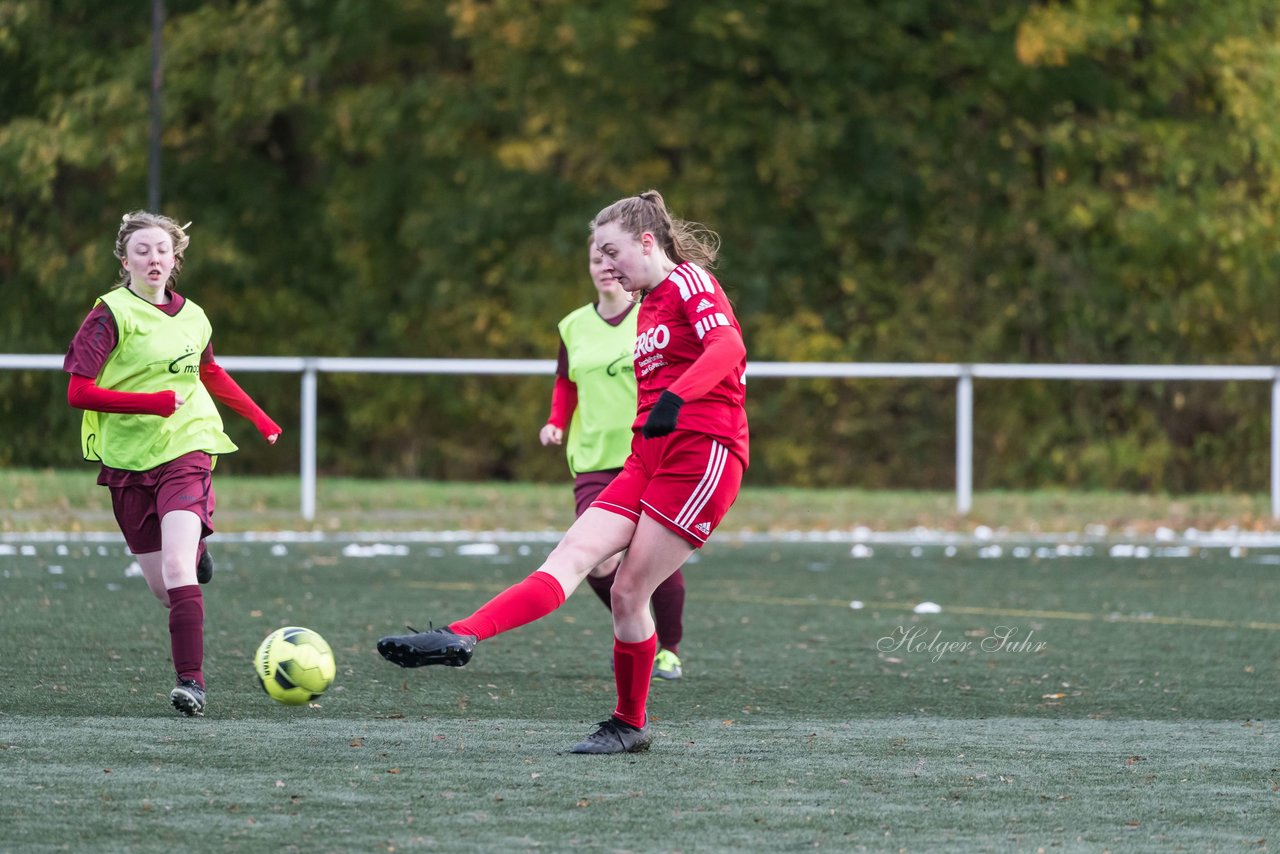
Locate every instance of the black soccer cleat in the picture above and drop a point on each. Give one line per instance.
(188, 698)
(204, 568)
(615, 736)
(435, 646)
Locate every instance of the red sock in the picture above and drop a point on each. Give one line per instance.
(186, 631)
(529, 600)
(632, 671)
(668, 611)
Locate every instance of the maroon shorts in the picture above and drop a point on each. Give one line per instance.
(685, 481)
(589, 484)
(178, 485)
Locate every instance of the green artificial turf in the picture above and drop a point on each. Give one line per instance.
(1130, 706)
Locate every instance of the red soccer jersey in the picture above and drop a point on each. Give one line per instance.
(675, 321)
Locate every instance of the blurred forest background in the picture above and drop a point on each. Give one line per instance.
(1095, 181)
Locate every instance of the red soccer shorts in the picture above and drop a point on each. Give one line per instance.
(685, 481)
(177, 486)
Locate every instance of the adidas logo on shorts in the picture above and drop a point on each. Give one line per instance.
(703, 528)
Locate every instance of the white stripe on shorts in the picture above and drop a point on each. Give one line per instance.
(705, 488)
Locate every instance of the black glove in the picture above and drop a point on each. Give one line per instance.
(662, 418)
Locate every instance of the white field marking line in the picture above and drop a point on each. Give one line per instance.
(918, 537)
(1079, 616)
(822, 536)
(465, 586)
(1022, 613)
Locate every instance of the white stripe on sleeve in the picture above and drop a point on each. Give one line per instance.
(711, 321)
(692, 280)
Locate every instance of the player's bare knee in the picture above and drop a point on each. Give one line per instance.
(627, 600)
(176, 573)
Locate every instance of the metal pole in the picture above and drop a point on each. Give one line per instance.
(157, 71)
(1275, 446)
(309, 441)
(964, 440)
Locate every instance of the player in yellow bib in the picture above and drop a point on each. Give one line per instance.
(142, 369)
(159, 353)
(594, 400)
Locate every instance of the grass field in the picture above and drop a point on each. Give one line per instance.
(1063, 699)
(69, 500)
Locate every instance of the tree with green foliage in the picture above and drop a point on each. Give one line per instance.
(1091, 181)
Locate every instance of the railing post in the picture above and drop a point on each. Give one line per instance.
(309, 440)
(1275, 446)
(964, 440)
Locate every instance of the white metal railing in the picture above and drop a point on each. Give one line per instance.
(964, 375)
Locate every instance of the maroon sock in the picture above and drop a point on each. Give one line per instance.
(529, 600)
(668, 611)
(632, 672)
(603, 586)
(186, 631)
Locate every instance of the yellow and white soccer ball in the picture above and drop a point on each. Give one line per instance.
(294, 665)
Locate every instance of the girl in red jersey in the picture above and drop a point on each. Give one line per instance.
(688, 455)
(594, 402)
(142, 368)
